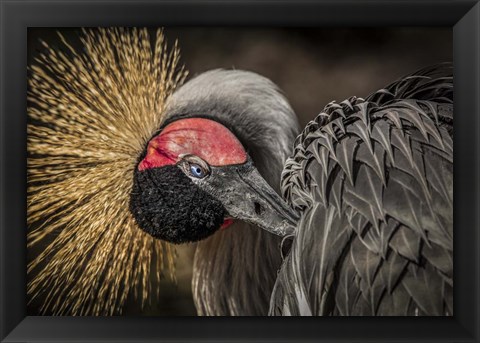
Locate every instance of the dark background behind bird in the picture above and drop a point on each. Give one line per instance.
(312, 67)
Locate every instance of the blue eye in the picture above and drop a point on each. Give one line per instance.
(197, 170)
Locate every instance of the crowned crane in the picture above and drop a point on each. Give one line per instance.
(367, 205)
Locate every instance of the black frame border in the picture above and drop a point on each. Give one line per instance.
(17, 15)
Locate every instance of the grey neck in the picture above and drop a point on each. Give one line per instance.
(235, 269)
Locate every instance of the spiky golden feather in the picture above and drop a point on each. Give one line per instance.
(91, 114)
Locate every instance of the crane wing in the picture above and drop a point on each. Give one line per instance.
(373, 179)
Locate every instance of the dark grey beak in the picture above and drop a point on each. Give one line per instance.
(248, 197)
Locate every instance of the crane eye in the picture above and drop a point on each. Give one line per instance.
(197, 171)
(194, 166)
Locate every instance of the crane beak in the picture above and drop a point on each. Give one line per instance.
(247, 196)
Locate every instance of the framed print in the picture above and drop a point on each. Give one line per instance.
(166, 165)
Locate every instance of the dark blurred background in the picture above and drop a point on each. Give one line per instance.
(312, 66)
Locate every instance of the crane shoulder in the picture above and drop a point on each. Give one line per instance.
(373, 179)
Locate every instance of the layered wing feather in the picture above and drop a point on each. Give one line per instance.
(374, 181)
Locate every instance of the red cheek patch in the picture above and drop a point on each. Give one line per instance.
(204, 138)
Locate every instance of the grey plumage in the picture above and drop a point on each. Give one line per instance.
(374, 181)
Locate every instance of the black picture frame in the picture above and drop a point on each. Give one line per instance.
(17, 15)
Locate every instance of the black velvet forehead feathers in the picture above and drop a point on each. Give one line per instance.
(168, 205)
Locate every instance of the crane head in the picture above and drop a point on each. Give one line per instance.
(195, 177)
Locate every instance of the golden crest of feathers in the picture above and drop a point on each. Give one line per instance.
(91, 114)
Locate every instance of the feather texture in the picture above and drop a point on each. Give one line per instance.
(376, 192)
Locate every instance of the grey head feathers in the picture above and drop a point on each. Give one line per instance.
(250, 105)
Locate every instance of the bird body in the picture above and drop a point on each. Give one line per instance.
(373, 179)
